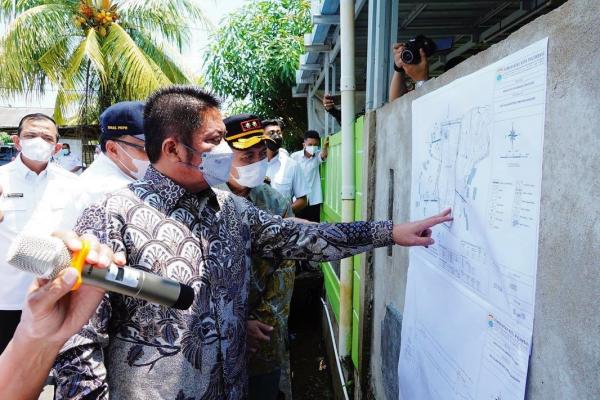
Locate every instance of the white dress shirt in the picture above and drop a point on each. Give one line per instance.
(68, 162)
(31, 203)
(312, 175)
(286, 176)
(103, 176)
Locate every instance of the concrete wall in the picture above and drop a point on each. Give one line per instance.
(565, 363)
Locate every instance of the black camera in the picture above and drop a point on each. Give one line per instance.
(411, 55)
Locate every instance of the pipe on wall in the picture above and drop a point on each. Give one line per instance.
(348, 87)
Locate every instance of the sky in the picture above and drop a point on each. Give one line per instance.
(215, 11)
(192, 55)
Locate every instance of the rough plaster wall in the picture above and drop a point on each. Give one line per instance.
(565, 363)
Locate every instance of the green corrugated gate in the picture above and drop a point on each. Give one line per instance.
(331, 177)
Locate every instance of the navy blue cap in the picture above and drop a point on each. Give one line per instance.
(124, 118)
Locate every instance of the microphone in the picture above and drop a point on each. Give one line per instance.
(45, 257)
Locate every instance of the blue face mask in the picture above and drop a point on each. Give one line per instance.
(65, 152)
(216, 163)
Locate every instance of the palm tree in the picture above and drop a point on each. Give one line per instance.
(96, 52)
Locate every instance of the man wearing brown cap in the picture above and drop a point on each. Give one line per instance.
(272, 280)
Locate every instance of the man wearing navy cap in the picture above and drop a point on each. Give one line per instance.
(123, 158)
(272, 280)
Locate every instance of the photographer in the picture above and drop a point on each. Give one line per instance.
(419, 72)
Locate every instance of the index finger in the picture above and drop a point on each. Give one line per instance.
(444, 216)
(264, 327)
(106, 256)
(93, 255)
(70, 238)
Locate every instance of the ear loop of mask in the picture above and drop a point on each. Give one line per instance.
(141, 168)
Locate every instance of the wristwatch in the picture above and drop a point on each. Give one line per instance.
(397, 68)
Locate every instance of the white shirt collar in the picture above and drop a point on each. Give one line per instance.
(106, 167)
(275, 159)
(24, 171)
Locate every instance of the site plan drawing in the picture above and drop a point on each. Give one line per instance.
(468, 316)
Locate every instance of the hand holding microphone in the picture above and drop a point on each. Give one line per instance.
(53, 313)
(48, 256)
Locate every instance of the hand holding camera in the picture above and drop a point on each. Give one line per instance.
(417, 72)
(329, 101)
(412, 57)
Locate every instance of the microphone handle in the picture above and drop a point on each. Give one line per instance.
(136, 283)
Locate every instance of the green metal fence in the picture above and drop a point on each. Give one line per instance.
(331, 178)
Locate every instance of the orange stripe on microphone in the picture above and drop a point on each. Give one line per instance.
(78, 261)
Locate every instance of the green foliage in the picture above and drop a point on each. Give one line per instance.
(254, 56)
(96, 52)
(5, 138)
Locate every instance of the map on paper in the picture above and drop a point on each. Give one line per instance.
(468, 314)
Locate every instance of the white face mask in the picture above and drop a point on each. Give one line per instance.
(252, 175)
(311, 149)
(140, 165)
(216, 163)
(37, 149)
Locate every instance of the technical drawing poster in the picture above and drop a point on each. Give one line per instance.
(468, 314)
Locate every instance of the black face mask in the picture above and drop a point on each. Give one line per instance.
(274, 145)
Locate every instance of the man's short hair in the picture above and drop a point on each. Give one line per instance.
(68, 145)
(36, 117)
(175, 112)
(312, 135)
(272, 122)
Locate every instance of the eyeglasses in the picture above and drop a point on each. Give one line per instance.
(136, 146)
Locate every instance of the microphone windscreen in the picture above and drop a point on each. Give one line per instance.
(43, 256)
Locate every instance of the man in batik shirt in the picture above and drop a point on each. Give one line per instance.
(173, 224)
(272, 279)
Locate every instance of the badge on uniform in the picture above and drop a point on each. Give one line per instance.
(12, 195)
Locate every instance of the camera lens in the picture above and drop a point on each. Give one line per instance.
(407, 56)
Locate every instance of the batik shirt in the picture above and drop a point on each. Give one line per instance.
(135, 350)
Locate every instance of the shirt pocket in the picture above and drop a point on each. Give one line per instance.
(284, 186)
(15, 213)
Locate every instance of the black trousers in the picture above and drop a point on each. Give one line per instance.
(8, 324)
(265, 386)
(311, 213)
